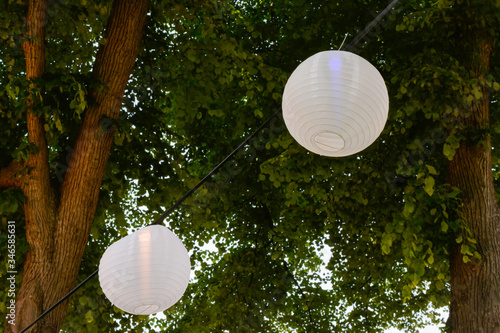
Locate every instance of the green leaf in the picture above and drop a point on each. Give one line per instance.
(191, 55)
(471, 240)
(429, 185)
(408, 208)
(89, 316)
(496, 129)
(406, 292)
(83, 300)
(420, 271)
(444, 226)
(464, 249)
(431, 169)
(59, 125)
(448, 151)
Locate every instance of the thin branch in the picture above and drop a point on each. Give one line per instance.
(289, 272)
(301, 292)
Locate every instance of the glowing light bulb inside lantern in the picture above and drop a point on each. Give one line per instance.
(335, 103)
(145, 252)
(145, 236)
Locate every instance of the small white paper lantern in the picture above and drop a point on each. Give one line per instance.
(335, 103)
(145, 272)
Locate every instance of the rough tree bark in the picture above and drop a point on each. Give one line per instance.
(475, 286)
(57, 228)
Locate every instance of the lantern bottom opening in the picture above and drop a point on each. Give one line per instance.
(147, 309)
(329, 141)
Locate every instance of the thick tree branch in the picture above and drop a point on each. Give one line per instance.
(39, 203)
(113, 65)
(39, 206)
(81, 186)
(12, 175)
(475, 305)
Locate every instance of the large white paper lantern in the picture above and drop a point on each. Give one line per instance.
(145, 272)
(335, 103)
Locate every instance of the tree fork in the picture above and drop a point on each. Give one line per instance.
(58, 235)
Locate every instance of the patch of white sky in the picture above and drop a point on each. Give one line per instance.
(326, 254)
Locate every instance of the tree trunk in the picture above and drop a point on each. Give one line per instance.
(57, 234)
(475, 286)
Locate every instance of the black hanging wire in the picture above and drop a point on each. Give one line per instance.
(369, 27)
(356, 39)
(61, 300)
(214, 170)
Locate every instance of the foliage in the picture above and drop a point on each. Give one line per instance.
(208, 74)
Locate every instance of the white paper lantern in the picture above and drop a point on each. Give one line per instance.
(335, 103)
(145, 272)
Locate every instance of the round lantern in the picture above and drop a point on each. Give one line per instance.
(335, 103)
(145, 272)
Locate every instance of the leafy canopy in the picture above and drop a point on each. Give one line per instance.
(208, 74)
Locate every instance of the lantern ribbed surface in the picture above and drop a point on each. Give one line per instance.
(335, 103)
(145, 272)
